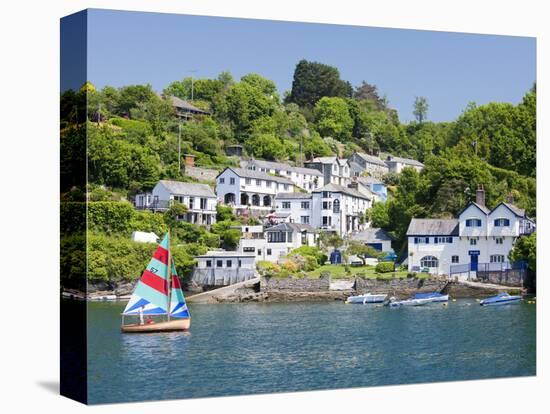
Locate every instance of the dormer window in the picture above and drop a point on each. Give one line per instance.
(502, 222)
(473, 223)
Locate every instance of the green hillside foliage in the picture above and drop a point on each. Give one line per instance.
(133, 135)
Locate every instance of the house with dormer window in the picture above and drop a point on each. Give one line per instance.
(478, 239)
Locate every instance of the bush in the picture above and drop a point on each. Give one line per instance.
(384, 267)
(266, 268)
(311, 252)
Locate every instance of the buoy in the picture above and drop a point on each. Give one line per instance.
(454, 300)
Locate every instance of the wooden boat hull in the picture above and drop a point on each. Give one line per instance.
(168, 326)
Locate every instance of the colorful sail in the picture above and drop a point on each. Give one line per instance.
(178, 307)
(151, 292)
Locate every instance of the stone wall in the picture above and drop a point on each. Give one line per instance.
(204, 174)
(272, 284)
(221, 277)
(512, 277)
(400, 288)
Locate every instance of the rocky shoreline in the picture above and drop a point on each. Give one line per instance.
(291, 289)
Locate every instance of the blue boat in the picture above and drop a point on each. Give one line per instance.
(433, 296)
(500, 299)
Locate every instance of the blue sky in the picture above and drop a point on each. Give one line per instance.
(449, 69)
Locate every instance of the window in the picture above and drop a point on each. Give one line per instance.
(269, 252)
(209, 263)
(228, 263)
(429, 261)
(502, 222)
(222, 180)
(286, 187)
(219, 263)
(239, 263)
(305, 205)
(327, 220)
(336, 208)
(499, 240)
(421, 240)
(248, 181)
(443, 240)
(286, 204)
(304, 219)
(327, 205)
(248, 249)
(203, 203)
(473, 242)
(473, 223)
(454, 259)
(259, 183)
(497, 258)
(232, 181)
(276, 237)
(191, 202)
(259, 252)
(326, 194)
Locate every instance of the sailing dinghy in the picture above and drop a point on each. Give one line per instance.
(158, 293)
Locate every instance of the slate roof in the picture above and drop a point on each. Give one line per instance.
(433, 227)
(324, 160)
(284, 167)
(369, 180)
(335, 188)
(246, 173)
(181, 104)
(484, 209)
(294, 227)
(371, 159)
(191, 189)
(516, 210)
(407, 161)
(372, 235)
(292, 196)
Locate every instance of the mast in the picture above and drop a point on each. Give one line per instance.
(169, 278)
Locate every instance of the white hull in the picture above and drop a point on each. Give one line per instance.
(409, 302)
(501, 302)
(368, 298)
(444, 298)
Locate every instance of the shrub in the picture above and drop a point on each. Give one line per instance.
(266, 268)
(384, 267)
(311, 252)
(290, 266)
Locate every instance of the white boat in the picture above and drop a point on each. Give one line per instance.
(408, 302)
(498, 300)
(366, 298)
(433, 296)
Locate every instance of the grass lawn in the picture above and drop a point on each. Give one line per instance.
(338, 271)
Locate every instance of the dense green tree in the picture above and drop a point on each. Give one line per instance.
(266, 146)
(315, 146)
(525, 249)
(332, 118)
(313, 80)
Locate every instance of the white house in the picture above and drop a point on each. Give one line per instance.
(478, 237)
(361, 163)
(271, 243)
(305, 178)
(335, 170)
(199, 198)
(248, 189)
(221, 267)
(144, 237)
(396, 164)
(331, 208)
(374, 237)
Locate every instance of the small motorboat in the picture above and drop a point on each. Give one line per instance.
(433, 296)
(407, 302)
(366, 298)
(500, 299)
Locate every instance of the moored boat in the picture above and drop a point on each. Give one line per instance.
(500, 299)
(366, 298)
(158, 293)
(407, 302)
(432, 296)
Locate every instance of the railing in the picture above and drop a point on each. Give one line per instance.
(488, 267)
(155, 205)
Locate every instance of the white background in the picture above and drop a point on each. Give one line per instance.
(29, 67)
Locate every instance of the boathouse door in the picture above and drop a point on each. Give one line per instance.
(473, 262)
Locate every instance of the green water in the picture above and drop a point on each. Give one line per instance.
(262, 348)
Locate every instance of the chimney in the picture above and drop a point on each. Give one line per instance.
(189, 160)
(510, 198)
(480, 195)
